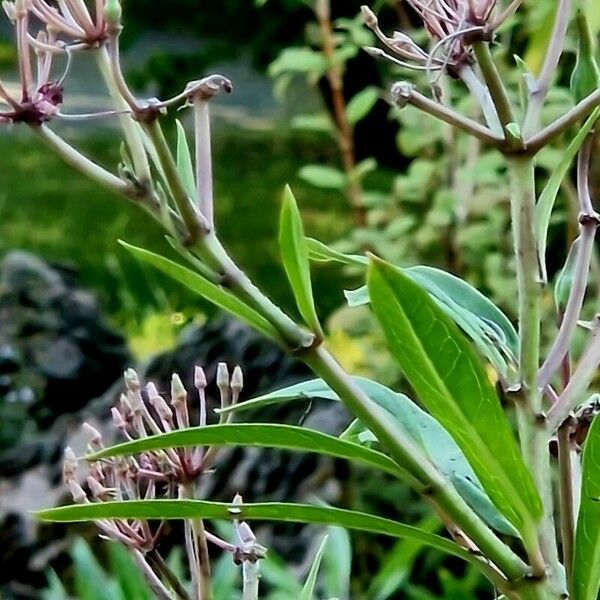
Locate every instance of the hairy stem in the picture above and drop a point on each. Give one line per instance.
(531, 421)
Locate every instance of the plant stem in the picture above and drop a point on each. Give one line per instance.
(82, 163)
(562, 343)
(580, 380)
(482, 95)
(530, 418)
(345, 133)
(567, 513)
(195, 223)
(404, 93)
(442, 495)
(251, 579)
(553, 53)
(199, 560)
(204, 175)
(494, 83)
(130, 128)
(156, 585)
(578, 112)
(159, 564)
(210, 249)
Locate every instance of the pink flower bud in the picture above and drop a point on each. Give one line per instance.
(79, 496)
(69, 465)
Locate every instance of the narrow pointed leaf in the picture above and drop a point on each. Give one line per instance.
(585, 77)
(185, 166)
(586, 563)
(564, 281)
(488, 327)
(295, 259)
(545, 204)
(414, 423)
(205, 288)
(285, 437)
(308, 591)
(449, 380)
(266, 511)
(319, 252)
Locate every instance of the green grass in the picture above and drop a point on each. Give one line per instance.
(47, 208)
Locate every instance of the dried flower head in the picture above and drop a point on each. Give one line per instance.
(452, 25)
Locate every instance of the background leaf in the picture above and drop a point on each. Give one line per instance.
(323, 177)
(449, 380)
(361, 104)
(586, 563)
(308, 591)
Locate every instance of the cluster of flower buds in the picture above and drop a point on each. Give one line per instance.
(452, 26)
(159, 473)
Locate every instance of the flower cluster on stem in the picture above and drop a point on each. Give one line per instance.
(169, 473)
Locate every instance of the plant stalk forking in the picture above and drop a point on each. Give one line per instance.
(551, 59)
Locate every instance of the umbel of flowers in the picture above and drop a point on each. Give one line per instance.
(155, 474)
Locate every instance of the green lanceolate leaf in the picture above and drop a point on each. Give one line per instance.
(319, 252)
(445, 286)
(285, 437)
(295, 259)
(267, 511)
(564, 281)
(484, 323)
(586, 75)
(545, 204)
(414, 423)
(308, 591)
(449, 380)
(205, 288)
(185, 167)
(586, 563)
(488, 327)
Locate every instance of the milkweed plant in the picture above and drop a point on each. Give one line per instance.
(530, 524)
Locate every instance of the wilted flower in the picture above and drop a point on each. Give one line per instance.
(452, 25)
(72, 18)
